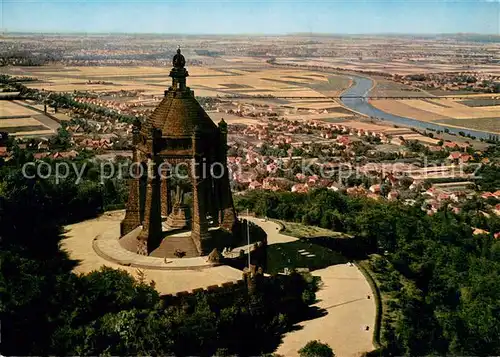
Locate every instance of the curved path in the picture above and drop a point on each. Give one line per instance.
(272, 230)
(344, 297)
(348, 312)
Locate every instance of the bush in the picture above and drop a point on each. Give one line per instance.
(378, 264)
(316, 349)
(308, 297)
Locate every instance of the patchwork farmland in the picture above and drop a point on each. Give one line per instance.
(244, 76)
(236, 78)
(19, 119)
(445, 111)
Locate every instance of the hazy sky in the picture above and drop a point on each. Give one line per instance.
(251, 17)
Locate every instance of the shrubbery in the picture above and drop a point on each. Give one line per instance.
(316, 349)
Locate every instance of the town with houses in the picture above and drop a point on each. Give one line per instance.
(468, 81)
(277, 149)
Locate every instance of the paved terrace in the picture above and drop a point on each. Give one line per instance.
(107, 246)
(79, 244)
(348, 311)
(110, 246)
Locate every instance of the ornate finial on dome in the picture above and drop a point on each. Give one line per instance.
(178, 73)
(179, 61)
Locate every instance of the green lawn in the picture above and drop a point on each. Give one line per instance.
(288, 255)
(335, 82)
(303, 231)
(480, 102)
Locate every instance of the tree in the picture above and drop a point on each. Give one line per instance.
(384, 189)
(406, 182)
(62, 139)
(440, 276)
(316, 349)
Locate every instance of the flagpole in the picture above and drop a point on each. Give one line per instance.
(248, 237)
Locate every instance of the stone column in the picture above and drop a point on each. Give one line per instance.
(165, 187)
(229, 219)
(229, 214)
(132, 212)
(170, 202)
(150, 235)
(228, 211)
(220, 217)
(164, 197)
(199, 223)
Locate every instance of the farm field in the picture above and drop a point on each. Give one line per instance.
(235, 78)
(373, 64)
(230, 118)
(314, 105)
(388, 88)
(444, 111)
(485, 124)
(8, 108)
(241, 76)
(452, 109)
(321, 116)
(478, 102)
(18, 120)
(400, 108)
(421, 138)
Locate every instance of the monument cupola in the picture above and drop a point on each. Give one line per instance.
(179, 134)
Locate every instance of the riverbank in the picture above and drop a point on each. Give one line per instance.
(356, 99)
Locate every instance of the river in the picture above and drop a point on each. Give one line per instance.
(359, 102)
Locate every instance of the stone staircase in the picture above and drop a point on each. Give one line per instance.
(171, 243)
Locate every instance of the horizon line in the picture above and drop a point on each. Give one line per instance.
(310, 34)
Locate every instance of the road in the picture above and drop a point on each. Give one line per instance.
(272, 230)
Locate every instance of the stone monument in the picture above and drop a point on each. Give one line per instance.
(179, 132)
